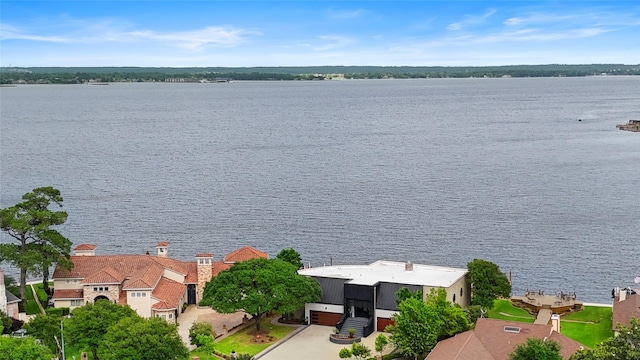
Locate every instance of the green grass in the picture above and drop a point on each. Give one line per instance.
(503, 310)
(31, 307)
(584, 332)
(241, 340)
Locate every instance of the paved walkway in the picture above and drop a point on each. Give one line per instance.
(222, 323)
(311, 343)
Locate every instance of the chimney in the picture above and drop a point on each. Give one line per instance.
(555, 323)
(205, 273)
(408, 267)
(85, 250)
(162, 248)
(622, 295)
(3, 294)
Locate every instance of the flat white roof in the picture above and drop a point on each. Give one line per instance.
(389, 272)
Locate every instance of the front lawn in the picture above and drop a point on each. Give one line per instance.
(589, 326)
(504, 310)
(244, 342)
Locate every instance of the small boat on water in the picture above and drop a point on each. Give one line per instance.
(632, 125)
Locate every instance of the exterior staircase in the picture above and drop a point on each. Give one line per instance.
(354, 323)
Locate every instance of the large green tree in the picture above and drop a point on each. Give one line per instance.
(135, 338)
(624, 346)
(291, 256)
(89, 323)
(46, 328)
(536, 349)
(487, 283)
(415, 328)
(259, 286)
(453, 318)
(37, 244)
(23, 349)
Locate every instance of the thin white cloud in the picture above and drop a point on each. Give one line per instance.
(539, 18)
(347, 14)
(217, 36)
(470, 20)
(197, 39)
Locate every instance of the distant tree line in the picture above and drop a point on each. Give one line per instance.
(79, 75)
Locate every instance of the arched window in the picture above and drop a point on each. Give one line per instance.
(454, 298)
(460, 291)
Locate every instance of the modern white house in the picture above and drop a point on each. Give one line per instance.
(368, 292)
(151, 285)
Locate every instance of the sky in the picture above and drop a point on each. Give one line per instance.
(317, 33)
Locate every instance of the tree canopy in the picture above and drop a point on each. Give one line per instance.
(487, 283)
(259, 286)
(420, 324)
(38, 245)
(624, 346)
(135, 338)
(536, 349)
(46, 328)
(291, 256)
(415, 327)
(23, 349)
(89, 323)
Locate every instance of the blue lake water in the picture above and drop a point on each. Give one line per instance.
(437, 171)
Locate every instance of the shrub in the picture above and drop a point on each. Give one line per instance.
(63, 311)
(199, 331)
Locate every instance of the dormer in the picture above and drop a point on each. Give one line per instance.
(162, 248)
(85, 250)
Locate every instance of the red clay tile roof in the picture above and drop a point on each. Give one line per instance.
(145, 279)
(169, 263)
(204, 255)
(85, 247)
(107, 275)
(162, 244)
(624, 310)
(169, 293)
(68, 294)
(244, 254)
(218, 266)
(489, 341)
(192, 272)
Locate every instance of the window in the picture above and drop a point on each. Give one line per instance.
(76, 302)
(460, 291)
(133, 294)
(170, 316)
(454, 298)
(95, 289)
(144, 294)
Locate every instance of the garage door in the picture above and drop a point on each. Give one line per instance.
(325, 318)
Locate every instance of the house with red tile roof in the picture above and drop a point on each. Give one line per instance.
(151, 285)
(626, 305)
(494, 339)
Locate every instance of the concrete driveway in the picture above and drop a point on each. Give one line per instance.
(312, 343)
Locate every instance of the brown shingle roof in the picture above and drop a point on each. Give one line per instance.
(68, 294)
(624, 310)
(85, 247)
(243, 254)
(490, 341)
(169, 293)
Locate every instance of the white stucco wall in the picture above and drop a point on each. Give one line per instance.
(141, 304)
